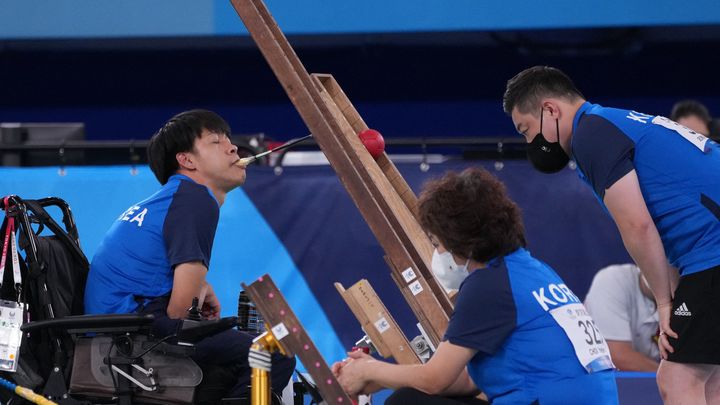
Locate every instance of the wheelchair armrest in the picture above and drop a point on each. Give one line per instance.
(192, 331)
(105, 323)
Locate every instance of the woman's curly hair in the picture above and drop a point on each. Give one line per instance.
(471, 215)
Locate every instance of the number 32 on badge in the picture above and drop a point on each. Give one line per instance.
(590, 347)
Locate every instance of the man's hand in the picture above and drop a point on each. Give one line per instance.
(188, 283)
(211, 305)
(664, 313)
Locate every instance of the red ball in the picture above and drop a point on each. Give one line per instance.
(373, 141)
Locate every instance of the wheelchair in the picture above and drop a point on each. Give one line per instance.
(71, 358)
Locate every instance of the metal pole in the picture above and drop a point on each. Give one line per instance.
(259, 359)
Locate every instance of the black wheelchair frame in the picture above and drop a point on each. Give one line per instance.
(56, 321)
(55, 312)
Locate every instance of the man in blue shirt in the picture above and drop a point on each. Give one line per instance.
(658, 180)
(517, 332)
(156, 255)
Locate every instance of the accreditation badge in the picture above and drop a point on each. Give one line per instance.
(11, 318)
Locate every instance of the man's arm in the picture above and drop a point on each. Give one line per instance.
(627, 359)
(627, 206)
(674, 279)
(188, 283)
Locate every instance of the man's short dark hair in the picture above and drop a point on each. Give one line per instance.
(529, 87)
(687, 108)
(178, 135)
(471, 215)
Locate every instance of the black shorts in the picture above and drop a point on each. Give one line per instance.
(696, 318)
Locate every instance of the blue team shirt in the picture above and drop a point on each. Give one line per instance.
(523, 355)
(140, 251)
(679, 182)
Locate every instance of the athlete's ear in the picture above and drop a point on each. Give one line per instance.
(551, 108)
(185, 160)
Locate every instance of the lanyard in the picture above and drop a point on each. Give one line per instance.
(10, 241)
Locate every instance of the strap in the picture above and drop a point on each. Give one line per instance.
(17, 275)
(10, 241)
(9, 227)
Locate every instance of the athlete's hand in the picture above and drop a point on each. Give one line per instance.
(664, 313)
(211, 305)
(210, 310)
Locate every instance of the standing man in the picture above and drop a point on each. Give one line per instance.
(156, 255)
(659, 182)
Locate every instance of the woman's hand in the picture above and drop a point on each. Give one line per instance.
(352, 373)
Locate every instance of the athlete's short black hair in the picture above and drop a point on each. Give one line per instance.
(528, 87)
(178, 135)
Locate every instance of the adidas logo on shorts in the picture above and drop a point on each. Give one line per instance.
(683, 310)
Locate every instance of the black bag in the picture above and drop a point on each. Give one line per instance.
(176, 376)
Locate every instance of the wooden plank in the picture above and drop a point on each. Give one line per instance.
(322, 130)
(383, 211)
(402, 219)
(358, 125)
(412, 286)
(365, 323)
(293, 338)
(385, 334)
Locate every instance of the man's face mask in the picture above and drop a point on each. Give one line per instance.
(547, 157)
(447, 272)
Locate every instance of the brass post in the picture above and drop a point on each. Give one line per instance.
(260, 381)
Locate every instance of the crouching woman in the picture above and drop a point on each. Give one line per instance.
(517, 333)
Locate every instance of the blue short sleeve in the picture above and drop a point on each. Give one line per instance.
(602, 151)
(485, 313)
(190, 225)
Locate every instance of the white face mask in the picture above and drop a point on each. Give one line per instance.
(447, 272)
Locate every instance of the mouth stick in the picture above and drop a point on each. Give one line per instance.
(247, 160)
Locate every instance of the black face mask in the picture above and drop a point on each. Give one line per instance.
(547, 157)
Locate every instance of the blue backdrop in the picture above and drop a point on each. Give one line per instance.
(303, 229)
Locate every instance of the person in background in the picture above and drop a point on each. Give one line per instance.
(622, 305)
(692, 114)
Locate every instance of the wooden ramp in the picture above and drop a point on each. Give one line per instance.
(383, 197)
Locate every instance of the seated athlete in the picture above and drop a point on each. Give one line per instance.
(156, 255)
